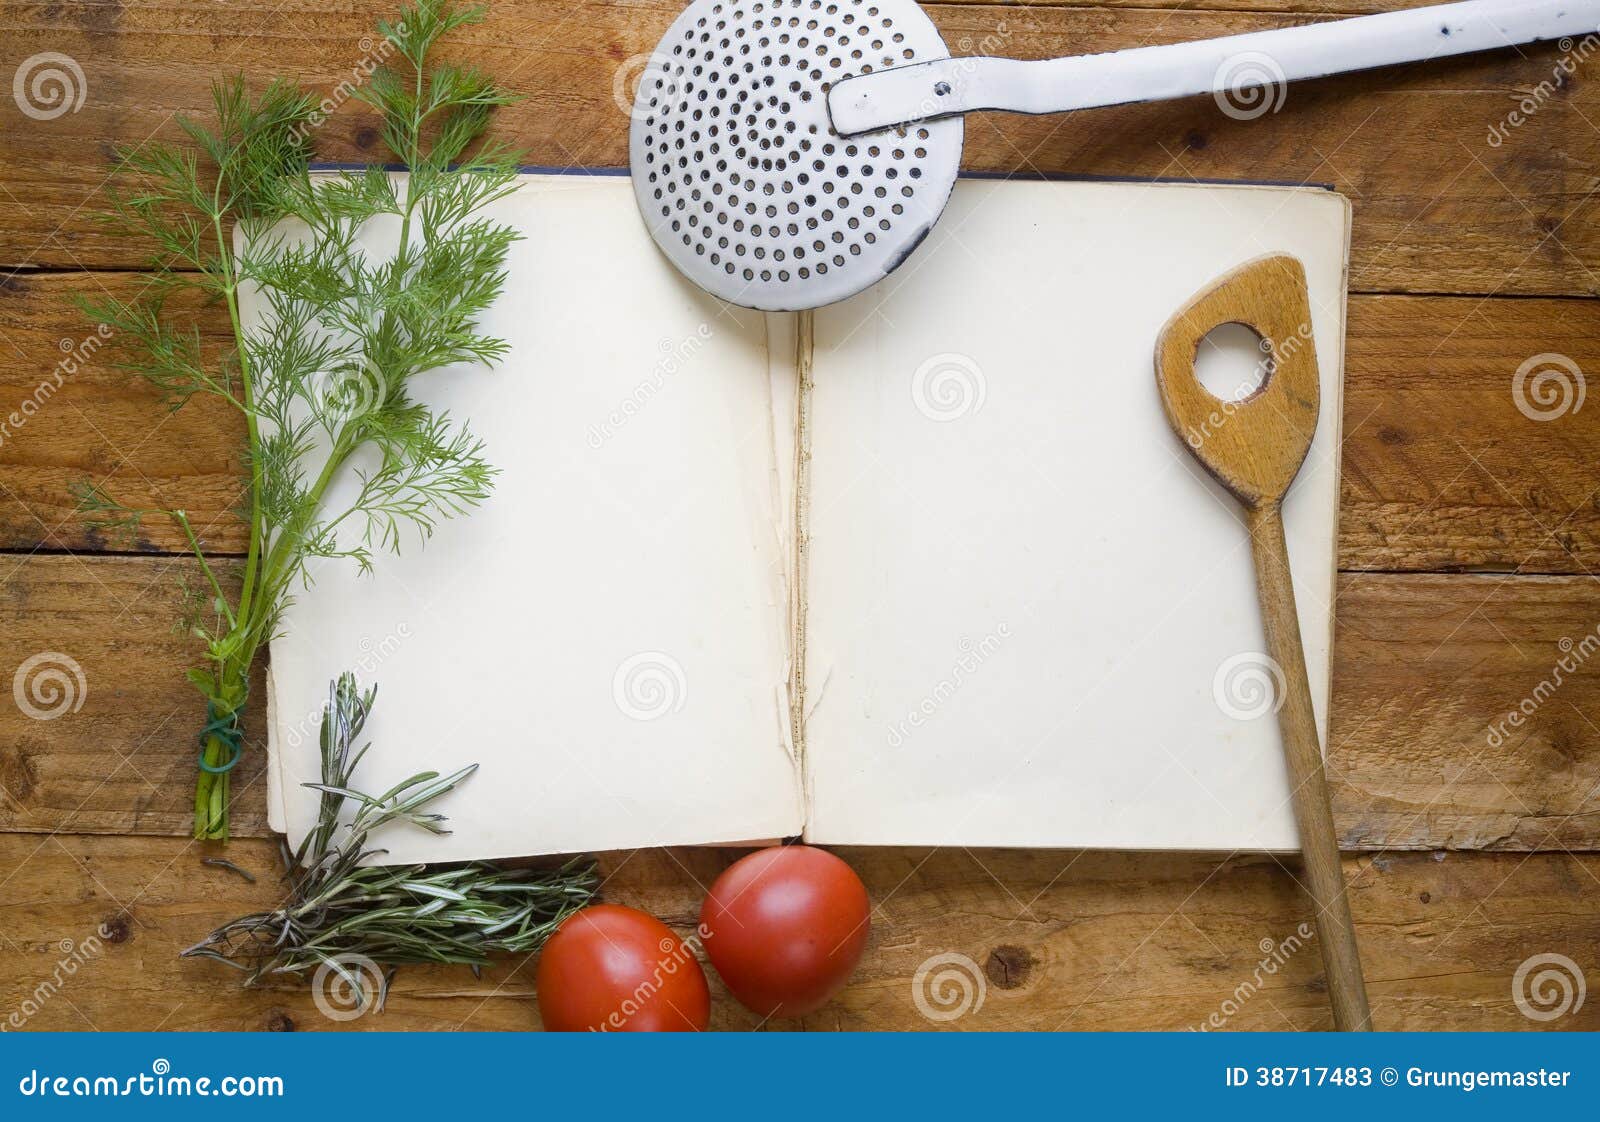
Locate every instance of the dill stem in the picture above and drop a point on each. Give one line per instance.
(232, 675)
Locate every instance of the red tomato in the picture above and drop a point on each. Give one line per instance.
(785, 928)
(614, 969)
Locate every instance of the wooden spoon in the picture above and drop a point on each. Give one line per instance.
(1254, 447)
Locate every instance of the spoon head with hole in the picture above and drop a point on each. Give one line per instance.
(1253, 446)
(739, 175)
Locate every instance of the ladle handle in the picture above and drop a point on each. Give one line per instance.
(1336, 933)
(1258, 61)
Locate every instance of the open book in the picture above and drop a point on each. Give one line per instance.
(924, 567)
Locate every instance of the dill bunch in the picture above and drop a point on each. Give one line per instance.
(343, 917)
(325, 373)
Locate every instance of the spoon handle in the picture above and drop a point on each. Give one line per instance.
(1308, 785)
(1251, 67)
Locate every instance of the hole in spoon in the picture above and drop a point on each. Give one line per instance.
(1233, 362)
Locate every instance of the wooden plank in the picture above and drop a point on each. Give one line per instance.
(1039, 940)
(1423, 748)
(1438, 207)
(1449, 460)
(1424, 667)
(115, 752)
(67, 416)
(1441, 468)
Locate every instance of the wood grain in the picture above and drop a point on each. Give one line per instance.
(1438, 208)
(1423, 667)
(68, 415)
(1441, 470)
(120, 757)
(1427, 670)
(1047, 940)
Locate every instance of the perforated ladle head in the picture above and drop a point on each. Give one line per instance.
(789, 153)
(741, 178)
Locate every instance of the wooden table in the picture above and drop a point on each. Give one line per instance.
(1470, 532)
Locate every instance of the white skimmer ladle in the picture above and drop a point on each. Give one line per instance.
(790, 153)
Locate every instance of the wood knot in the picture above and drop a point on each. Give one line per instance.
(1425, 897)
(1008, 966)
(116, 928)
(279, 1021)
(1392, 436)
(1196, 140)
(366, 138)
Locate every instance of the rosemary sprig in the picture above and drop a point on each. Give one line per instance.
(339, 906)
(325, 375)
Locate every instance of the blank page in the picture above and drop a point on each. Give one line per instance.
(1032, 616)
(607, 636)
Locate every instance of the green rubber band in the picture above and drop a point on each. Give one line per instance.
(226, 729)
